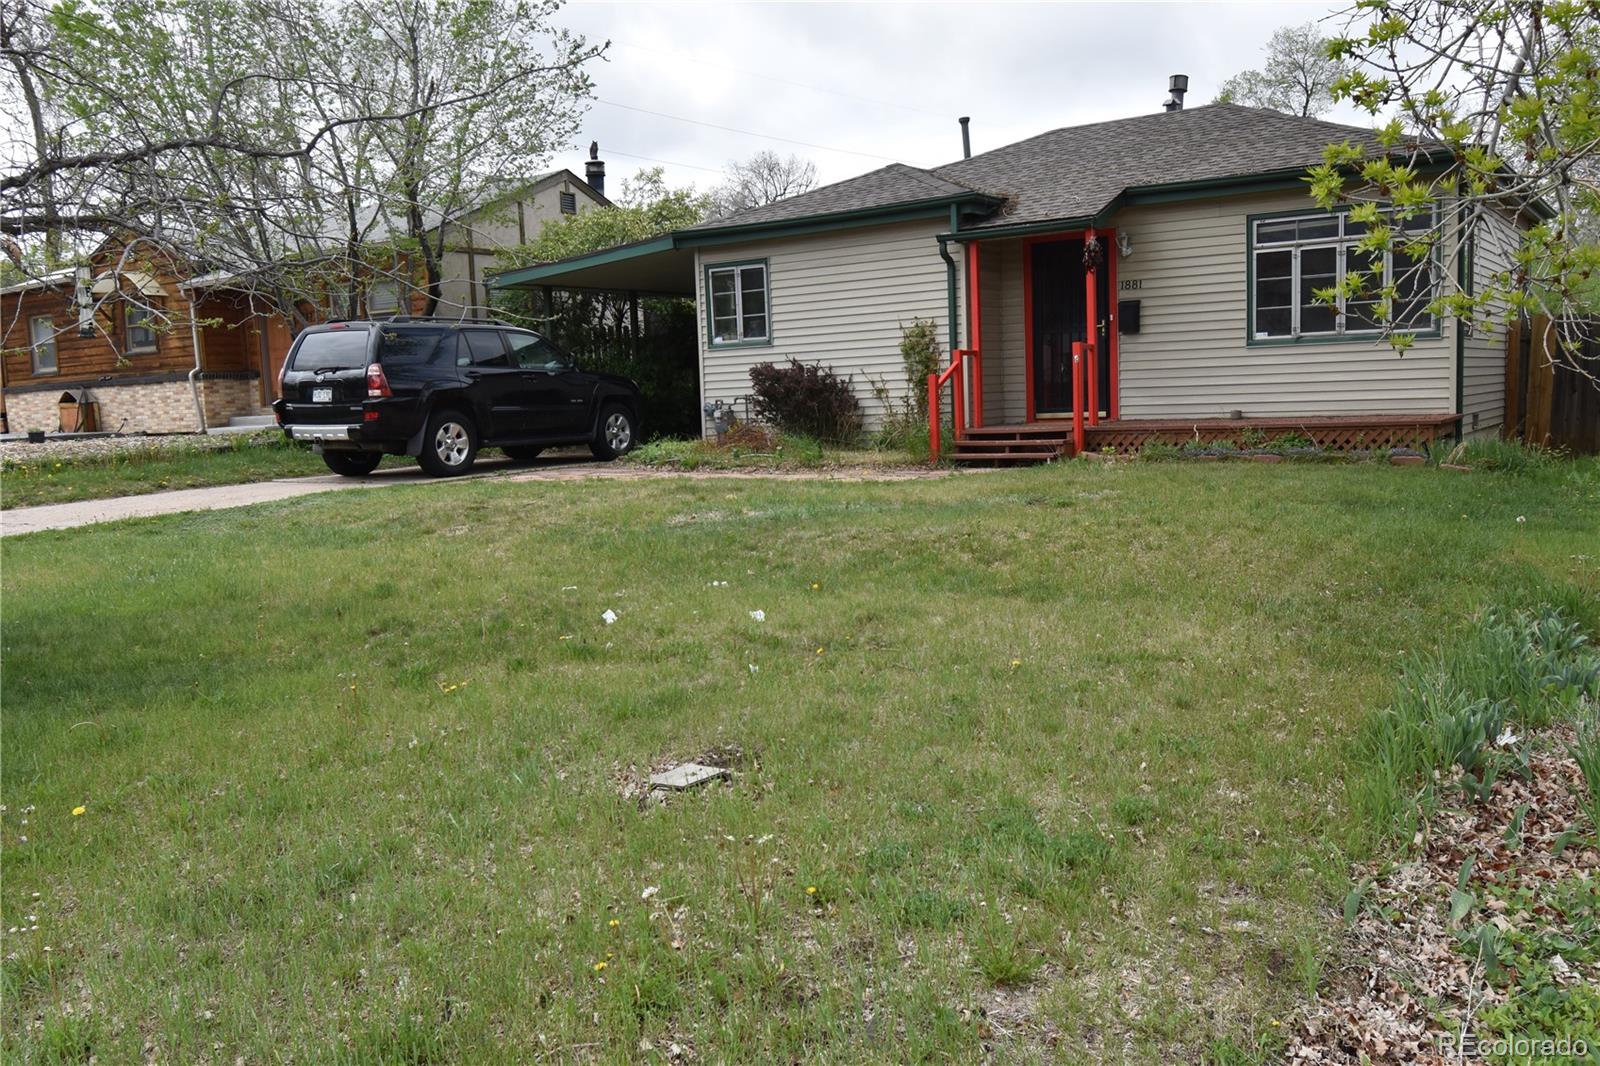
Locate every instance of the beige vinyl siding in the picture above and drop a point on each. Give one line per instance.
(1191, 359)
(837, 299)
(1005, 382)
(1483, 350)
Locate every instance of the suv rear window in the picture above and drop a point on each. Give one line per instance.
(341, 349)
(411, 346)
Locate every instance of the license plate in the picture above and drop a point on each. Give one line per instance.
(321, 395)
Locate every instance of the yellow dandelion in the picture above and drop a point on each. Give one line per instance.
(599, 966)
(1015, 663)
(811, 890)
(78, 812)
(816, 584)
(613, 923)
(611, 954)
(819, 651)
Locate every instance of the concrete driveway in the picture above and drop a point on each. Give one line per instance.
(557, 468)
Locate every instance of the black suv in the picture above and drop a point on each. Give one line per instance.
(441, 390)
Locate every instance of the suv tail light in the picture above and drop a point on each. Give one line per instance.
(377, 383)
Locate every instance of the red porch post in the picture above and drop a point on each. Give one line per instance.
(1077, 397)
(1091, 275)
(975, 330)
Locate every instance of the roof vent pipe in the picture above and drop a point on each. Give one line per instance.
(594, 171)
(966, 137)
(1178, 84)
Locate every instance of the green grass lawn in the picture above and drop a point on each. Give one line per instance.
(192, 463)
(1049, 762)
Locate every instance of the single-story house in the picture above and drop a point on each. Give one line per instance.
(172, 349)
(1176, 251)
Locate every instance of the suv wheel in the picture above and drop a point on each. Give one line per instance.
(521, 453)
(617, 433)
(449, 444)
(352, 464)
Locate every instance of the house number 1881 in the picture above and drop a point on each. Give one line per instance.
(1130, 284)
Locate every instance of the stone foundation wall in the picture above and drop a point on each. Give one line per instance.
(146, 407)
(231, 399)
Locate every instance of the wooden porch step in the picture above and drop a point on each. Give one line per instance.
(1033, 431)
(1005, 445)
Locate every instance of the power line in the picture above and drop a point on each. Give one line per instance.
(653, 159)
(746, 133)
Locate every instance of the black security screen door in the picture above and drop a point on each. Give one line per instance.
(1058, 320)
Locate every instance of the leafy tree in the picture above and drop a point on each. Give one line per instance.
(764, 178)
(294, 146)
(646, 208)
(663, 355)
(1297, 79)
(1491, 116)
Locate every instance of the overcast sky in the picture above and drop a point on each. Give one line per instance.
(877, 83)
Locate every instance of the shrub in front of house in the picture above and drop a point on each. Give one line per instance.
(806, 399)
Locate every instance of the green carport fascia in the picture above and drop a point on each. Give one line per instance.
(711, 236)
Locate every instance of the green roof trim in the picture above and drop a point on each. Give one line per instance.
(533, 275)
(871, 216)
(709, 237)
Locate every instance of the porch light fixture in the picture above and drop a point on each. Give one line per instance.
(1124, 243)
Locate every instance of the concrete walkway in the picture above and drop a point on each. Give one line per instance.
(221, 497)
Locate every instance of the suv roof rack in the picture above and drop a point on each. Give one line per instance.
(451, 320)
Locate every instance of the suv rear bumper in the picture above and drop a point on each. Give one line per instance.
(324, 433)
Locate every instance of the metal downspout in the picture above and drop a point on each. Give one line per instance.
(950, 278)
(194, 383)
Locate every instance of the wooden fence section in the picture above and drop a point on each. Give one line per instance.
(1548, 401)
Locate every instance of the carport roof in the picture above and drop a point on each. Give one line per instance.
(659, 266)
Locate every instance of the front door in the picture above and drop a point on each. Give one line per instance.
(1059, 319)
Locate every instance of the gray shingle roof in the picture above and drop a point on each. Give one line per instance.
(886, 187)
(1077, 171)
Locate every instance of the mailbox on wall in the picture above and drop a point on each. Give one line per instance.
(1127, 316)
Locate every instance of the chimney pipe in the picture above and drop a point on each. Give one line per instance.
(966, 137)
(594, 171)
(1178, 84)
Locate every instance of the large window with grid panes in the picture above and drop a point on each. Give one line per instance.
(738, 304)
(1293, 257)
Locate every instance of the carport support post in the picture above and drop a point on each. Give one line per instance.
(633, 321)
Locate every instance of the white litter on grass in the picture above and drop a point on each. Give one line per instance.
(650, 891)
(686, 775)
(754, 668)
(759, 616)
(609, 617)
(569, 588)
(719, 584)
(1506, 738)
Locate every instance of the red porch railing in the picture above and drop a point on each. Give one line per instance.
(956, 373)
(954, 376)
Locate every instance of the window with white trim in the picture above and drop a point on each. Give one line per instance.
(1294, 257)
(42, 337)
(138, 328)
(738, 303)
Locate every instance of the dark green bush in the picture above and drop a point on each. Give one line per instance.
(807, 400)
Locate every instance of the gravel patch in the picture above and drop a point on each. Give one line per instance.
(90, 448)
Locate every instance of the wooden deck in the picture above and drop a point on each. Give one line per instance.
(1049, 439)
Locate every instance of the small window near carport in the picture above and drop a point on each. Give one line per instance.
(738, 304)
(569, 203)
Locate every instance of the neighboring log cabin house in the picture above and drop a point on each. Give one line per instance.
(170, 350)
